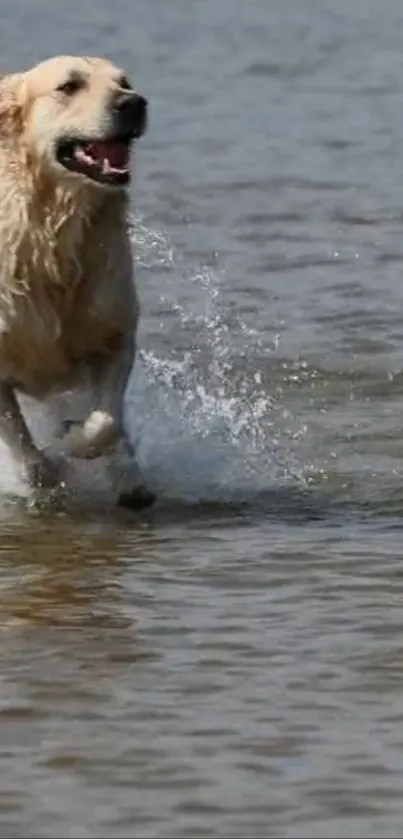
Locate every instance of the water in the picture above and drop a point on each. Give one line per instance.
(230, 663)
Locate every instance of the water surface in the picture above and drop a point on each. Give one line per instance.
(230, 663)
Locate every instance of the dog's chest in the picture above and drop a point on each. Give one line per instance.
(45, 335)
(61, 305)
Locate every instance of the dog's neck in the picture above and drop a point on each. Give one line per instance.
(43, 226)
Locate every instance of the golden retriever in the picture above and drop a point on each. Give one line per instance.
(68, 302)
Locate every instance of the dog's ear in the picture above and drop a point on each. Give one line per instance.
(11, 103)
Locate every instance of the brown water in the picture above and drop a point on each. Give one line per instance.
(231, 663)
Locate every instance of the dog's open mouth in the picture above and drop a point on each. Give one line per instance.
(104, 161)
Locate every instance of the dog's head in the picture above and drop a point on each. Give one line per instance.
(76, 117)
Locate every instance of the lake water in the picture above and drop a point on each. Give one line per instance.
(230, 664)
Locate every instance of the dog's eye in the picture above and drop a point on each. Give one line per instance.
(124, 83)
(71, 86)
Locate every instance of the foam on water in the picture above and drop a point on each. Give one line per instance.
(205, 428)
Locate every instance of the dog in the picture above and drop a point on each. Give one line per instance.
(68, 302)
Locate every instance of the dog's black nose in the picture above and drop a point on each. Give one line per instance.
(132, 112)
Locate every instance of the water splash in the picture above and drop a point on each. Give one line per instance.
(206, 427)
(209, 430)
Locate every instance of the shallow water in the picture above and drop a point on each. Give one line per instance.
(230, 663)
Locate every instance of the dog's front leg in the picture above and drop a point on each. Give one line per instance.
(104, 428)
(15, 433)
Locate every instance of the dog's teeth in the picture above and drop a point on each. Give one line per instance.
(106, 168)
(85, 158)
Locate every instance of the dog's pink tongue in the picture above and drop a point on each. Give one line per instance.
(116, 154)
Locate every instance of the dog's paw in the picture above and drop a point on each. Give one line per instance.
(131, 488)
(137, 499)
(92, 438)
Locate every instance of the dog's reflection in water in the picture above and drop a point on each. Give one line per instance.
(63, 596)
